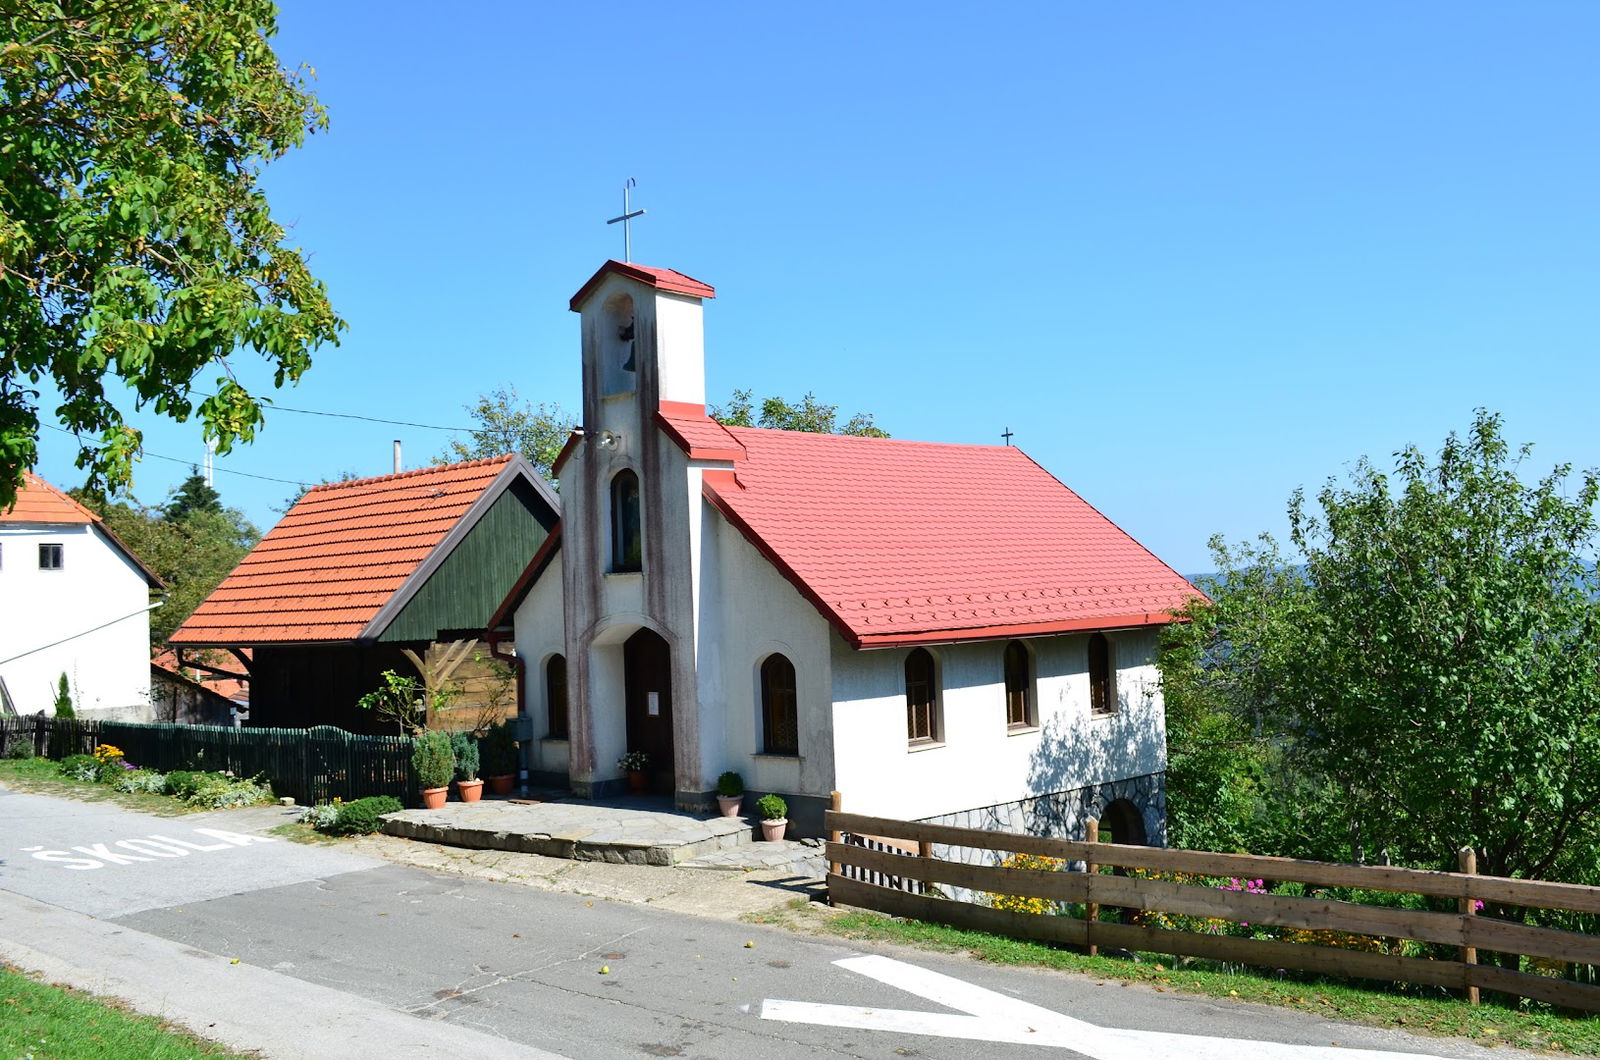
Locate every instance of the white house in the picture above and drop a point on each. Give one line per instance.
(74, 601)
(936, 631)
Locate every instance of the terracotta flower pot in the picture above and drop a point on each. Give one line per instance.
(433, 798)
(638, 781)
(772, 831)
(729, 804)
(469, 790)
(502, 784)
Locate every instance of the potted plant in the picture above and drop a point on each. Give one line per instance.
(468, 786)
(730, 793)
(435, 762)
(499, 748)
(634, 763)
(774, 816)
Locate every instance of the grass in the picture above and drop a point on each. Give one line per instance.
(38, 1020)
(1435, 1013)
(42, 777)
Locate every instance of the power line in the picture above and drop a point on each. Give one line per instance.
(194, 463)
(370, 419)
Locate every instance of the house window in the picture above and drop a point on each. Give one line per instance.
(555, 696)
(1102, 686)
(922, 698)
(1019, 687)
(627, 538)
(49, 557)
(779, 714)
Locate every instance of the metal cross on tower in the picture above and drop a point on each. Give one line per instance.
(627, 235)
(1007, 435)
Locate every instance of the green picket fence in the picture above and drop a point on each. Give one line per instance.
(311, 765)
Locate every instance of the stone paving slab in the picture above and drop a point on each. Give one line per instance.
(579, 831)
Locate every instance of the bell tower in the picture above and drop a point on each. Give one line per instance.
(630, 506)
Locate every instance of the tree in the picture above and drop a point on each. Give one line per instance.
(1430, 673)
(509, 423)
(192, 553)
(195, 495)
(63, 703)
(808, 414)
(135, 241)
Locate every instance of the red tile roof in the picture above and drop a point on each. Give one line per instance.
(897, 542)
(662, 279)
(338, 556)
(41, 503)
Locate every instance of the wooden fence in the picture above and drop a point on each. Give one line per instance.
(856, 873)
(311, 765)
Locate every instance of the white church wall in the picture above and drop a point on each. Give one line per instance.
(108, 669)
(749, 611)
(979, 761)
(540, 634)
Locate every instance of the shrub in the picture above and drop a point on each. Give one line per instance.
(147, 781)
(361, 816)
(81, 767)
(772, 808)
(499, 749)
(214, 791)
(433, 759)
(181, 783)
(63, 703)
(323, 816)
(730, 784)
(465, 747)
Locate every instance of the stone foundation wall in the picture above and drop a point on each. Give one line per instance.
(1062, 813)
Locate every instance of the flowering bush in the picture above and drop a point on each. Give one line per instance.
(1021, 903)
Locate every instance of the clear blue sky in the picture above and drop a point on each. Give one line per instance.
(1194, 256)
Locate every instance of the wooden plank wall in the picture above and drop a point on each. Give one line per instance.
(879, 875)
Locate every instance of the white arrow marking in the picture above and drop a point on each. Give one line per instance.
(993, 1017)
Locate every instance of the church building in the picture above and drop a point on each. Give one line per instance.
(939, 632)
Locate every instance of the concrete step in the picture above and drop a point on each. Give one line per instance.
(579, 831)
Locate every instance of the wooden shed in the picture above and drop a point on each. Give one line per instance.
(357, 572)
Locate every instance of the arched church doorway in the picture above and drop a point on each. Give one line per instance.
(647, 696)
(1121, 822)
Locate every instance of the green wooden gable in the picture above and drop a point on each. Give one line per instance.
(472, 581)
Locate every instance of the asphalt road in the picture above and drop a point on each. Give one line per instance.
(582, 977)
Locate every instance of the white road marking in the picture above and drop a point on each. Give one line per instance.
(994, 1017)
(146, 848)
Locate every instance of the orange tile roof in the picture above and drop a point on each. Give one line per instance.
(338, 556)
(228, 687)
(40, 502)
(897, 542)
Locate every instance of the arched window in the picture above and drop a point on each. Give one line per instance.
(627, 538)
(922, 698)
(779, 721)
(1019, 686)
(1102, 686)
(555, 696)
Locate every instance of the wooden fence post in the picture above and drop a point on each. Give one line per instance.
(1091, 908)
(1467, 860)
(835, 803)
